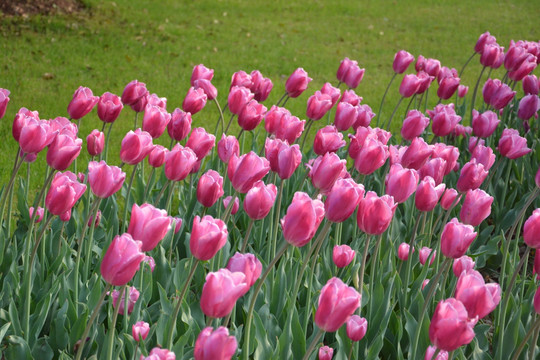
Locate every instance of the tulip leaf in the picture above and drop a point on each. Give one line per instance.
(14, 318)
(17, 348)
(263, 349)
(299, 343)
(42, 350)
(511, 335)
(3, 330)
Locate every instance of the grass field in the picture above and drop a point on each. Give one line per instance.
(45, 59)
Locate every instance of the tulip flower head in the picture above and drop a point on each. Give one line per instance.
(450, 325)
(122, 260)
(221, 291)
(215, 344)
(337, 303)
(302, 219)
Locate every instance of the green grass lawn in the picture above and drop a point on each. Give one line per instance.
(159, 42)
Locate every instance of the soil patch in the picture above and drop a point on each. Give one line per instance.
(25, 8)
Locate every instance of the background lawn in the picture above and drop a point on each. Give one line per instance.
(45, 59)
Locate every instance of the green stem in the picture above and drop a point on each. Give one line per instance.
(249, 317)
(534, 342)
(135, 122)
(169, 198)
(88, 250)
(220, 115)
(409, 259)
(534, 328)
(350, 351)
(91, 321)
(110, 342)
(466, 63)
(475, 91)
(306, 131)
(379, 113)
(363, 267)
(393, 113)
(248, 231)
(314, 343)
(281, 98)
(126, 205)
(194, 263)
(228, 210)
(156, 202)
(149, 184)
(229, 123)
(7, 190)
(373, 269)
(276, 221)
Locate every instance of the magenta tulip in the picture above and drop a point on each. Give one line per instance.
(251, 115)
(247, 264)
(302, 219)
(497, 94)
(337, 303)
(180, 125)
(328, 139)
(342, 255)
(39, 213)
(326, 353)
(471, 176)
(209, 188)
(401, 182)
(239, 96)
(201, 142)
(450, 326)
(492, 56)
(430, 66)
(424, 253)
(194, 101)
(82, 103)
(484, 124)
(208, 235)
(221, 291)
(63, 150)
(416, 154)
(246, 170)
(227, 147)
(345, 117)
(259, 200)
(207, 87)
(409, 85)
(476, 207)
(122, 260)
(34, 135)
(402, 60)
(430, 352)
(350, 73)
(462, 91)
(156, 158)
(433, 168)
(371, 155)
(462, 264)
(290, 129)
(343, 199)
(63, 193)
(449, 198)
(403, 251)
(104, 180)
(427, 194)
(444, 119)
(235, 206)
(215, 344)
(484, 155)
(297, 83)
(136, 145)
(4, 100)
(120, 301)
(260, 86)
(179, 162)
(375, 213)
(148, 225)
(333, 92)
(318, 105)
(414, 125)
(479, 298)
(531, 229)
(448, 153)
(140, 330)
(528, 107)
(283, 159)
(155, 120)
(134, 95)
(356, 327)
(511, 145)
(109, 107)
(484, 39)
(456, 238)
(530, 83)
(448, 87)
(326, 170)
(274, 118)
(95, 142)
(201, 72)
(159, 354)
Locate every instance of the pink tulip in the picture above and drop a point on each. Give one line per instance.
(448, 153)
(120, 301)
(122, 260)
(194, 101)
(95, 142)
(180, 125)
(227, 147)
(484, 124)
(356, 328)
(343, 199)
(274, 117)
(155, 100)
(176, 222)
(283, 159)
(350, 97)
(536, 264)
(326, 170)
(497, 94)
(371, 156)
(448, 87)
(403, 251)
(215, 344)
(531, 85)
(524, 69)
(236, 205)
(136, 145)
(62, 125)
(462, 91)
(140, 330)
(201, 142)
(109, 107)
(82, 103)
(515, 56)
(23, 117)
(4, 100)
(96, 221)
(462, 264)
(208, 235)
(425, 81)
(179, 162)
(159, 354)
(63, 150)
(156, 158)
(337, 303)
(260, 86)
(221, 291)
(318, 105)
(134, 95)
(484, 155)
(431, 350)
(34, 135)
(251, 115)
(431, 66)
(63, 193)
(433, 168)
(511, 145)
(302, 219)
(342, 255)
(201, 72)
(375, 213)
(471, 177)
(104, 180)
(476, 207)
(402, 60)
(39, 213)
(424, 254)
(328, 139)
(259, 200)
(239, 96)
(297, 83)
(401, 182)
(247, 264)
(444, 119)
(148, 260)
(155, 120)
(424, 283)
(492, 56)
(364, 116)
(478, 297)
(456, 238)
(331, 91)
(416, 154)
(246, 170)
(449, 198)
(345, 117)
(148, 225)
(484, 39)
(207, 87)
(326, 353)
(528, 107)
(414, 125)
(209, 188)
(427, 194)
(66, 216)
(409, 85)
(290, 129)
(450, 326)
(531, 230)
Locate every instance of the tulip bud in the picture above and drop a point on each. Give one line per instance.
(427, 194)
(326, 353)
(134, 95)
(536, 301)
(39, 213)
(109, 107)
(342, 255)
(150, 262)
(476, 207)
(227, 147)
(337, 303)
(424, 283)
(356, 327)
(302, 219)
(462, 91)
(63, 193)
(194, 101)
(95, 142)
(424, 254)
(148, 225)
(215, 344)
(259, 200)
(96, 221)
(449, 198)
(156, 158)
(213, 302)
(530, 85)
(528, 107)
(297, 83)
(462, 264)
(180, 125)
(140, 330)
(260, 86)
(402, 60)
(403, 251)
(122, 260)
(82, 103)
(208, 235)
(511, 145)
(120, 301)
(201, 72)
(484, 39)
(456, 238)
(375, 213)
(209, 188)
(236, 205)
